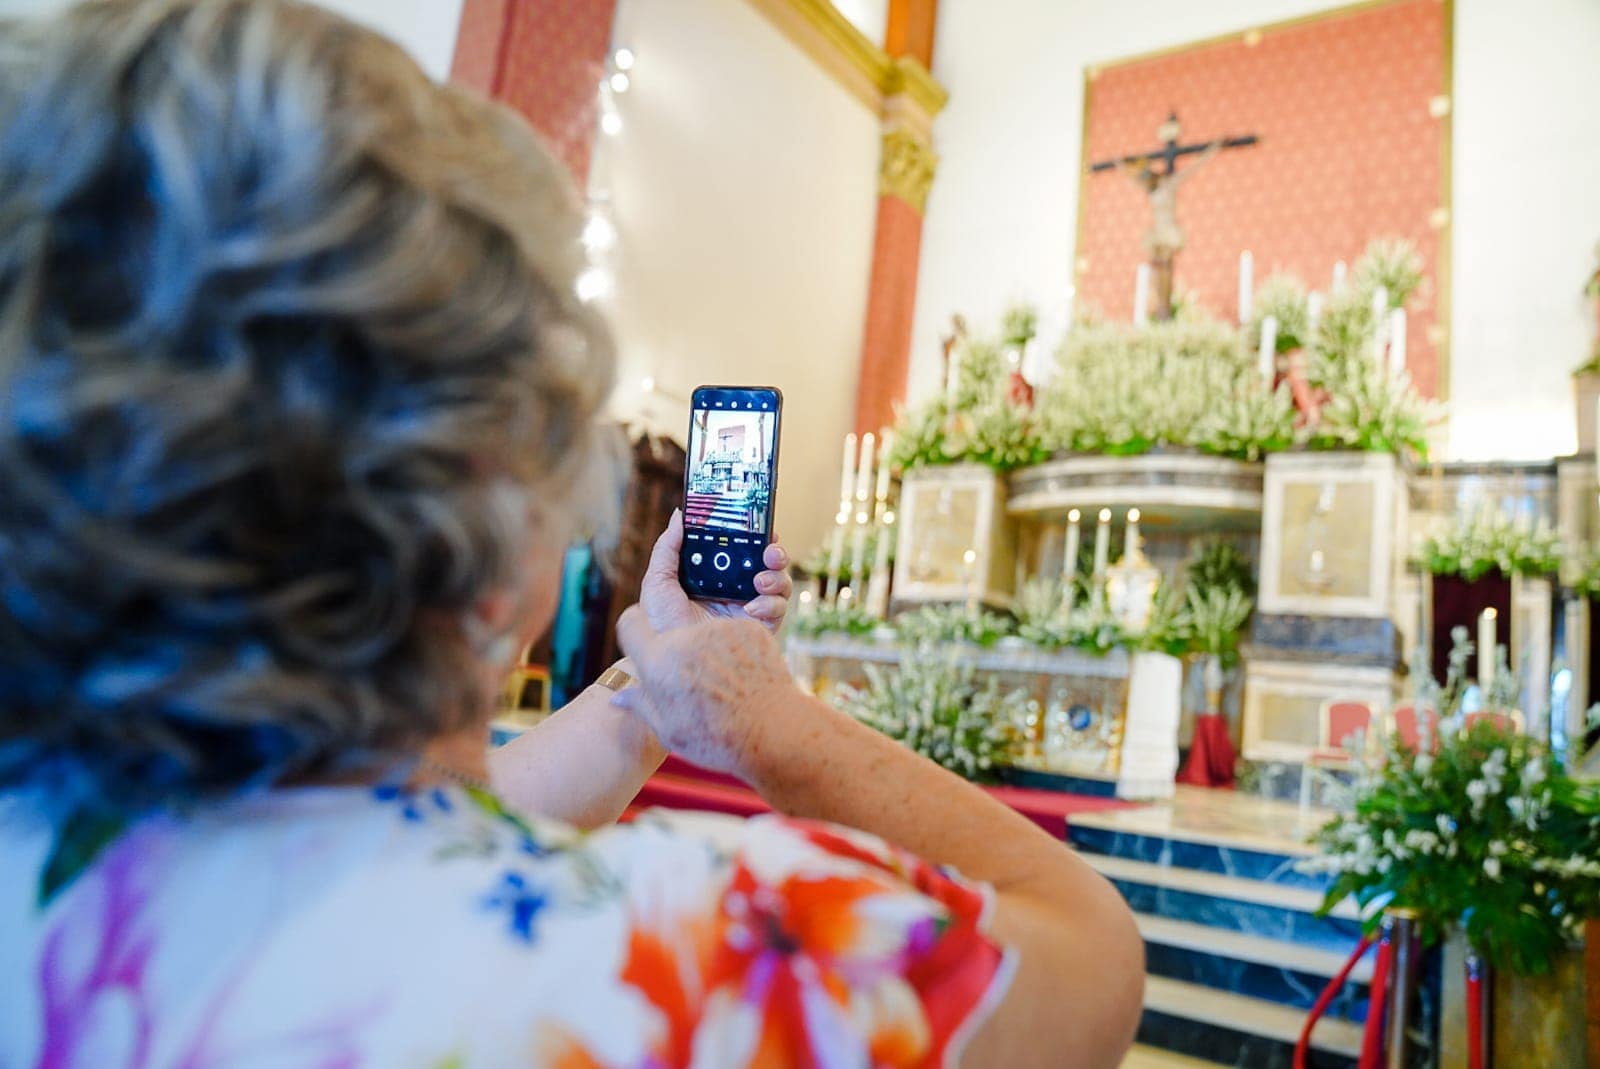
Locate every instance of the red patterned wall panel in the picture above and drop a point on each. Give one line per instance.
(1350, 150)
(543, 57)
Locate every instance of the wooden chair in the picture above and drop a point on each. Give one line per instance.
(1506, 719)
(1407, 722)
(1339, 723)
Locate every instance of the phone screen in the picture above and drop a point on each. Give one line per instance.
(729, 483)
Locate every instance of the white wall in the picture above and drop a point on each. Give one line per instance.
(743, 186)
(425, 28)
(1001, 217)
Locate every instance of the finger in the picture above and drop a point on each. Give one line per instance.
(775, 557)
(637, 638)
(768, 608)
(774, 583)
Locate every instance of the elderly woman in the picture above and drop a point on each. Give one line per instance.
(297, 413)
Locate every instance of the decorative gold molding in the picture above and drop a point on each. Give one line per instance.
(862, 68)
(907, 166)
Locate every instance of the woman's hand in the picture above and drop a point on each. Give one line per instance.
(663, 600)
(707, 689)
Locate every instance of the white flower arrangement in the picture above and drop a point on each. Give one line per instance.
(1489, 538)
(938, 710)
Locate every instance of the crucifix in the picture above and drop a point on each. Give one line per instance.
(1164, 238)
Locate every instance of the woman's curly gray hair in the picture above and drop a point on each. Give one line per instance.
(292, 374)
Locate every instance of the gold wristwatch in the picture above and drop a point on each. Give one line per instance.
(614, 678)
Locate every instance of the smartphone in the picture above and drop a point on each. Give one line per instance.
(729, 489)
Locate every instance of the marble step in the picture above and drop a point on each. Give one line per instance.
(1252, 907)
(1286, 973)
(1096, 833)
(1237, 1029)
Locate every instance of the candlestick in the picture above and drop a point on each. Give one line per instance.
(1486, 648)
(1102, 545)
(1313, 317)
(847, 471)
(1397, 342)
(1069, 558)
(1247, 270)
(836, 555)
(864, 477)
(1141, 295)
(970, 560)
(1338, 275)
(858, 562)
(1268, 357)
(878, 588)
(880, 496)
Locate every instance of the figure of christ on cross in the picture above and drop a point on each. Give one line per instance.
(1165, 238)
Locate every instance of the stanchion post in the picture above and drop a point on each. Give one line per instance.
(1402, 924)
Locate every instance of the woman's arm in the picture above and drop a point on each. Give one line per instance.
(582, 765)
(585, 763)
(720, 694)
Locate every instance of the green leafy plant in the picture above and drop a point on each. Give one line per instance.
(1393, 263)
(984, 425)
(818, 563)
(939, 710)
(1488, 539)
(1480, 830)
(1370, 410)
(951, 623)
(1218, 563)
(1019, 326)
(1587, 584)
(847, 618)
(1284, 298)
(1217, 616)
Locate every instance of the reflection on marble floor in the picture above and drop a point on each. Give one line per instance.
(1225, 818)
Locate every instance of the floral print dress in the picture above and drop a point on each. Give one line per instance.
(339, 927)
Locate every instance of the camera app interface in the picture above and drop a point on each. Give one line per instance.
(727, 507)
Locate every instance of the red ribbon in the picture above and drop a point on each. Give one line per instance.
(1320, 1007)
(1474, 1012)
(1372, 1038)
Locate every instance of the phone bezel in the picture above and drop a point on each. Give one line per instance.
(772, 495)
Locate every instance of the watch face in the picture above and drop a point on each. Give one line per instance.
(728, 493)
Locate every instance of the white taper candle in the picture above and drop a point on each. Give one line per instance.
(1141, 295)
(1487, 654)
(1268, 354)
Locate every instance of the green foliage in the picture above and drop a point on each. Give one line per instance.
(1217, 563)
(819, 565)
(1588, 582)
(1284, 298)
(1123, 390)
(1249, 424)
(1370, 410)
(1216, 617)
(1486, 832)
(939, 710)
(1019, 326)
(951, 623)
(1488, 538)
(847, 618)
(984, 426)
(1392, 263)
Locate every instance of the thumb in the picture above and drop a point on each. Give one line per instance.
(637, 638)
(664, 556)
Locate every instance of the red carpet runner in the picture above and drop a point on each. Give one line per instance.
(680, 785)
